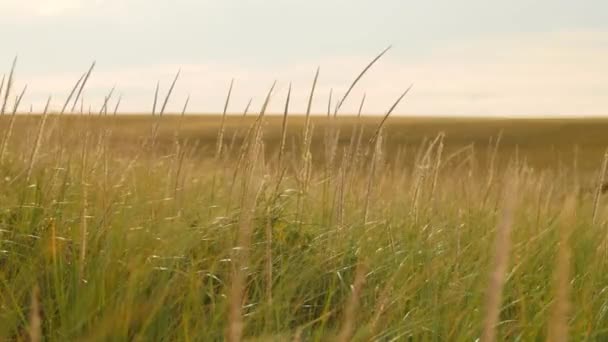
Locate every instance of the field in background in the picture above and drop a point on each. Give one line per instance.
(543, 142)
(187, 228)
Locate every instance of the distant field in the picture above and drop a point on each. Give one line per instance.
(543, 142)
(198, 229)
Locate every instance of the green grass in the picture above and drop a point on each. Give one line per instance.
(160, 240)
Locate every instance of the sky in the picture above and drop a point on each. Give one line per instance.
(466, 57)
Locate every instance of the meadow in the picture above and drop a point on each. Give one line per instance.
(202, 228)
(173, 227)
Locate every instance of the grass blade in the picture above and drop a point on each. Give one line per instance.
(168, 96)
(356, 80)
(67, 101)
(284, 127)
(502, 247)
(390, 111)
(84, 82)
(9, 86)
(220, 134)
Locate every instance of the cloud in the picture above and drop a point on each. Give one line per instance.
(44, 8)
(532, 74)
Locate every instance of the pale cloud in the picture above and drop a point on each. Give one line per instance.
(44, 8)
(533, 74)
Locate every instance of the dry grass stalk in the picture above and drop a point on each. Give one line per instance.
(104, 107)
(361, 106)
(169, 92)
(600, 187)
(180, 151)
(36, 148)
(502, 247)
(341, 189)
(247, 107)
(437, 165)
(11, 125)
(162, 110)
(307, 137)
(220, 134)
(237, 292)
(383, 301)
(18, 99)
(390, 111)
(423, 164)
(370, 180)
(9, 86)
(117, 105)
(549, 194)
(350, 152)
(356, 80)
(84, 214)
(575, 168)
(352, 305)
(236, 132)
(284, 128)
(358, 151)
(181, 116)
(2, 84)
(331, 150)
(105, 156)
(67, 101)
(356, 137)
(84, 82)
(492, 168)
(329, 99)
(268, 232)
(35, 322)
(306, 167)
(154, 103)
(282, 170)
(53, 226)
(260, 117)
(179, 164)
(540, 192)
(253, 130)
(558, 324)
(297, 336)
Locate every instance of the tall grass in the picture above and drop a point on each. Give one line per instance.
(298, 229)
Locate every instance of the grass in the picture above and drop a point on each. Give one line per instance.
(149, 228)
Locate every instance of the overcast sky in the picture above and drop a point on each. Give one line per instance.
(470, 57)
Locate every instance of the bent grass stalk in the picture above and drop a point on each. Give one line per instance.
(67, 101)
(82, 85)
(500, 262)
(361, 74)
(558, 323)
